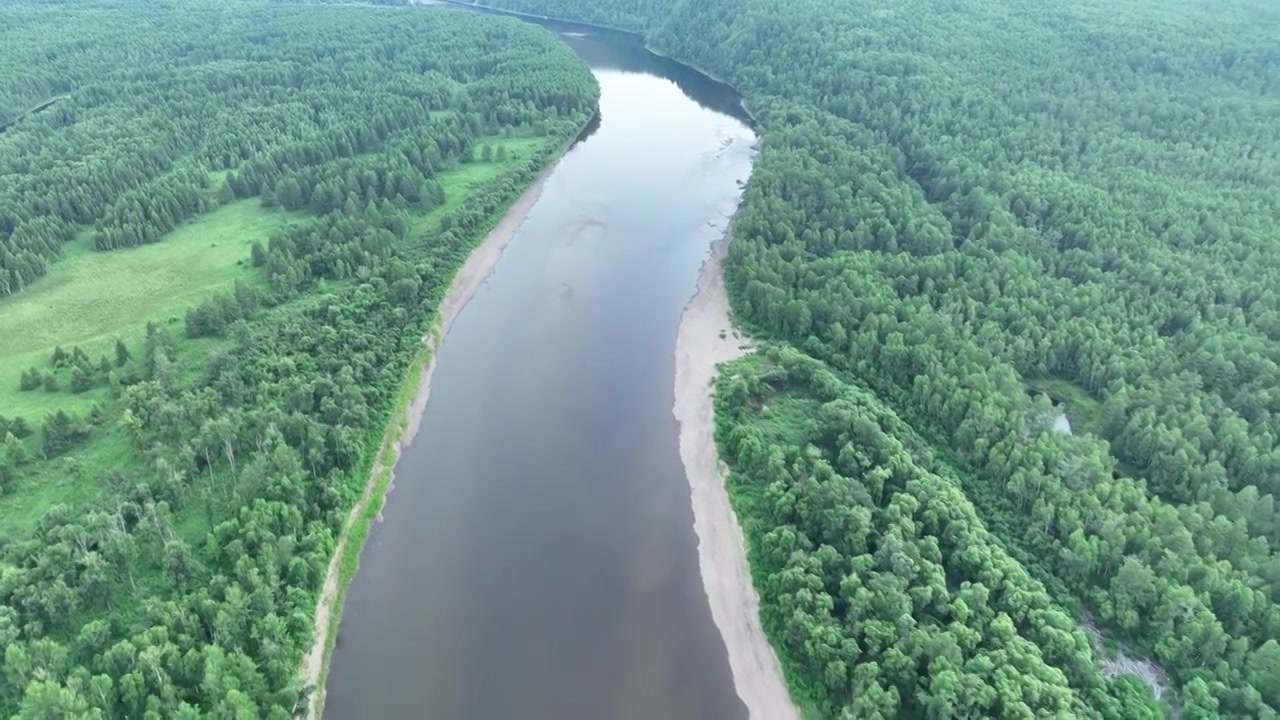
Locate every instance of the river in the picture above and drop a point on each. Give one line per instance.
(536, 558)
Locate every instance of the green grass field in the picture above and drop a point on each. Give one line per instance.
(73, 479)
(90, 298)
(458, 181)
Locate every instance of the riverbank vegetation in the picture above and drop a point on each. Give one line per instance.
(219, 251)
(963, 207)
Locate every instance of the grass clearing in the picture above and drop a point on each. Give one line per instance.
(457, 182)
(787, 420)
(1081, 408)
(90, 298)
(73, 479)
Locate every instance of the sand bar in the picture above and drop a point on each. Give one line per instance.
(706, 339)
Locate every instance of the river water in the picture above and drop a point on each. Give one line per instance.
(536, 558)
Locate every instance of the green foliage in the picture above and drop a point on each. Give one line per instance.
(880, 583)
(91, 299)
(960, 199)
(212, 461)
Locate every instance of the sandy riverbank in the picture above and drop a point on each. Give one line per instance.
(706, 338)
(470, 277)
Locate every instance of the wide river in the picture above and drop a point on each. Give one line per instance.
(536, 558)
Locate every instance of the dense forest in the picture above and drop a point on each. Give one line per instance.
(968, 217)
(238, 436)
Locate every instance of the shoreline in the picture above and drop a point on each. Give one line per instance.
(707, 338)
(401, 429)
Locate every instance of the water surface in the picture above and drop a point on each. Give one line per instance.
(536, 558)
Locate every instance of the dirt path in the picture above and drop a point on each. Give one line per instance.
(470, 277)
(706, 339)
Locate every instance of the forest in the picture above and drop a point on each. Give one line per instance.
(172, 493)
(969, 218)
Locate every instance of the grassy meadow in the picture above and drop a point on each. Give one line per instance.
(90, 298)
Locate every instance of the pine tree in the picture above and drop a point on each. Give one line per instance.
(7, 474)
(19, 427)
(289, 194)
(81, 379)
(30, 379)
(14, 450)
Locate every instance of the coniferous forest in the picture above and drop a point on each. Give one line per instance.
(167, 518)
(968, 218)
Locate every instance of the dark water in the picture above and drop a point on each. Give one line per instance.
(537, 558)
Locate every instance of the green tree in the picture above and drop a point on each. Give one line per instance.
(31, 379)
(1264, 671)
(19, 428)
(45, 700)
(122, 353)
(289, 194)
(81, 379)
(8, 473)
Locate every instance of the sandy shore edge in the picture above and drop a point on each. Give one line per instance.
(469, 278)
(706, 339)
